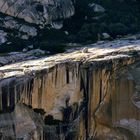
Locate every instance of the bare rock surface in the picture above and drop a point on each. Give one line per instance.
(37, 11)
(20, 56)
(23, 19)
(93, 95)
(22, 123)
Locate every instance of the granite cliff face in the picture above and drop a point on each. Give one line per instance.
(74, 96)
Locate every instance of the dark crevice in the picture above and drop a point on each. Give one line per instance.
(49, 120)
(100, 100)
(67, 76)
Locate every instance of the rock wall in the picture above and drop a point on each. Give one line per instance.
(74, 96)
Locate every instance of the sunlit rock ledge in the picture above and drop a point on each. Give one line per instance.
(88, 93)
(101, 51)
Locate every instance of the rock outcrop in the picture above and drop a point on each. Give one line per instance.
(23, 19)
(79, 96)
(13, 57)
(37, 11)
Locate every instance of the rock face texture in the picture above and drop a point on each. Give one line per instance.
(23, 19)
(74, 96)
(37, 11)
(23, 122)
(20, 56)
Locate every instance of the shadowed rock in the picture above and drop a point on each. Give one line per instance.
(37, 11)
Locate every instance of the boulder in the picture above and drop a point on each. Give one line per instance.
(37, 11)
(97, 8)
(106, 36)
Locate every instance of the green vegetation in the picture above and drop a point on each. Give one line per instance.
(120, 18)
(52, 40)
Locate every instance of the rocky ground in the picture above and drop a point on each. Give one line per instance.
(30, 53)
(13, 57)
(100, 51)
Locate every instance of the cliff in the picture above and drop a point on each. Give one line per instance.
(81, 95)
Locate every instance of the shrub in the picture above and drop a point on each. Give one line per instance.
(117, 29)
(88, 32)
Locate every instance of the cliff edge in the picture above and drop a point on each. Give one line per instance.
(87, 94)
